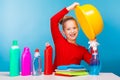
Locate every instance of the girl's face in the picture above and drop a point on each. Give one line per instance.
(70, 30)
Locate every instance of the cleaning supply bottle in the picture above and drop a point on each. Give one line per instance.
(37, 65)
(26, 62)
(95, 65)
(48, 60)
(14, 59)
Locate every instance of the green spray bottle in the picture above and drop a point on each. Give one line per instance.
(14, 59)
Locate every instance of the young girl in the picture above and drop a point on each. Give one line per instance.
(67, 51)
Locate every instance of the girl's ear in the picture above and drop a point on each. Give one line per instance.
(63, 32)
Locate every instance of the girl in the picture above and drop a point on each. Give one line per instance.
(67, 51)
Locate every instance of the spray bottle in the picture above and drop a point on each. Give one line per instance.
(48, 60)
(26, 62)
(37, 65)
(15, 59)
(95, 65)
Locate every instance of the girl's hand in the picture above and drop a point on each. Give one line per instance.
(72, 6)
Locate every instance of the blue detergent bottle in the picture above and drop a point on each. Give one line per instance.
(37, 65)
(95, 65)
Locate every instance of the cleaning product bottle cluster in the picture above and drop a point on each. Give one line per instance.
(28, 64)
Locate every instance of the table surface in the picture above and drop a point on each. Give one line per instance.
(102, 76)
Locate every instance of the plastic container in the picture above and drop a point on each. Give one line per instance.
(90, 20)
(37, 65)
(26, 62)
(48, 70)
(95, 65)
(15, 59)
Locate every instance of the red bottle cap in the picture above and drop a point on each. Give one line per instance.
(37, 50)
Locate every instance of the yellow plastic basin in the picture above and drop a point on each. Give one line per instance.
(90, 20)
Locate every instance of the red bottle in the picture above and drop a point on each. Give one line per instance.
(48, 60)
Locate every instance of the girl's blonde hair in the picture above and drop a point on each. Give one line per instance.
(66, 18)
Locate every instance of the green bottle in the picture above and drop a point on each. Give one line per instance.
(14, 59)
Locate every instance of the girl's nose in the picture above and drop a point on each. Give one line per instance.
(72, 30)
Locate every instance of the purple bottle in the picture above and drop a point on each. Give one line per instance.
(26, 62)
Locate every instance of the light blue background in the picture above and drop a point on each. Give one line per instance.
(28, 21)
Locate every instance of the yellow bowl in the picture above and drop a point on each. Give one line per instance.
(90, 20)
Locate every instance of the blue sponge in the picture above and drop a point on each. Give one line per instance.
(72, 66)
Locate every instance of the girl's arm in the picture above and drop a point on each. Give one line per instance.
(54, 23)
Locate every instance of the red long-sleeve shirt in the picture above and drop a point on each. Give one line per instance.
(66, 53)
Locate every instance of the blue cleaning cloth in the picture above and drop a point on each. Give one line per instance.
(72, 66)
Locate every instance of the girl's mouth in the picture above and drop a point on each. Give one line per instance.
(72, 35)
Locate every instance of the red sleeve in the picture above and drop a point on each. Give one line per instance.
(54, 22)
(87, 56)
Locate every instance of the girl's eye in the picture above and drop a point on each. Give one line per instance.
(74, 27)
(68, 28)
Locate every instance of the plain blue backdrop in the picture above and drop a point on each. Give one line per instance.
(28, 21)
